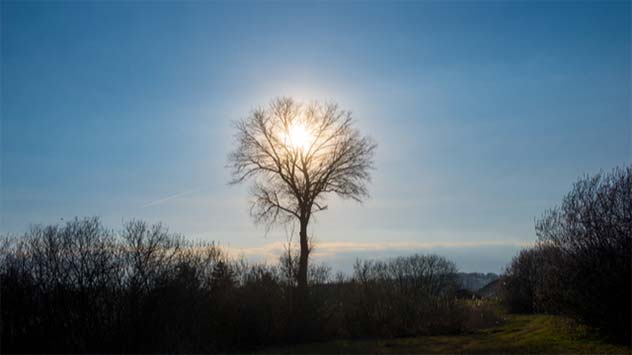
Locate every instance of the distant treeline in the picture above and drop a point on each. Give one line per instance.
(582, 263)
(80, 287)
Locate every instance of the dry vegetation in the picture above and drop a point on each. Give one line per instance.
(582, 264)
(79, 287)
(519, 334)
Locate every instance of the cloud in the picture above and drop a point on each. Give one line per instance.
(333, 248)
(484, 256)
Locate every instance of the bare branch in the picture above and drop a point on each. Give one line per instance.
(291, 181)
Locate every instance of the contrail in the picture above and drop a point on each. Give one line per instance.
(168, 198)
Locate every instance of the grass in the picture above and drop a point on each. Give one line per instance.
(520, 334)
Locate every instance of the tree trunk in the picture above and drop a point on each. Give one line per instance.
(299, 306)
(302, 265)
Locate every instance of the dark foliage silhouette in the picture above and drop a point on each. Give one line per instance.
(582, 264)
(82, 288)
(79, 287)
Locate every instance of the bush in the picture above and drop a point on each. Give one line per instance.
(82, 288)
(582, 265)
(403, 296)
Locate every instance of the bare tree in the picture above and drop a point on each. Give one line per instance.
(296, 154)
(592, 233)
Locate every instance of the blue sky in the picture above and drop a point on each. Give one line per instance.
(485, 114)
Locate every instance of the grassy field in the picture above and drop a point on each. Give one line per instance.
(520, 334)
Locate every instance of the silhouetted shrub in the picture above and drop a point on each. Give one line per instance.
(403, 296)
(79, 287)
(582, 265)
(82, 288)
(520, 282)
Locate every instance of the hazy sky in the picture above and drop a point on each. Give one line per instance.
(485, 114)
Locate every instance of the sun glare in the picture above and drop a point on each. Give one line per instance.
(298, 136)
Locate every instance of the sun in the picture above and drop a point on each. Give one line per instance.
(299, 136)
